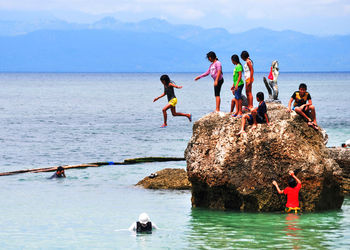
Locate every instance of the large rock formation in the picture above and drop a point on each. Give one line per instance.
(342, 157)
(235, 172)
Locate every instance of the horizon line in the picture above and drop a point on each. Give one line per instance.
(150, 72)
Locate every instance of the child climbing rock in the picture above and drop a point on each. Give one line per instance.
(292, 193)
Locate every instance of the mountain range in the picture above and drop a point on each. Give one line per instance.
(155, 45)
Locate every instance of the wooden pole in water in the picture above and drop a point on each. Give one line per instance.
(96, 164)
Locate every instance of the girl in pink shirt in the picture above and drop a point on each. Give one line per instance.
(215, 70)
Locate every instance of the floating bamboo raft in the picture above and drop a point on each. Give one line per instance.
(96, 164)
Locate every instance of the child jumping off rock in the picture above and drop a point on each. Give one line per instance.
(292, 193)
(172, 100)
(258, 115)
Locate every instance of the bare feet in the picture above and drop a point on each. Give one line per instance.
(314, 125)
(241, 132)
(164, 125)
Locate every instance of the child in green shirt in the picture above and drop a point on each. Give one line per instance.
(237, 86)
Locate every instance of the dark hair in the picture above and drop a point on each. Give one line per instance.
(235, 58)
(292, 182)
(165, 79)
(60, 168)
(212, 55)
(260, 96)
(302, 86)
(244, 55)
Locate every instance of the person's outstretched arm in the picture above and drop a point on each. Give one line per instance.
(202, 75)
(155, 99)
(154, 226)
(296, 178)
(277, 187)
(175, 86)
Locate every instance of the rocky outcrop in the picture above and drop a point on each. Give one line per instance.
(235, 172)
(342, 157)
(169, 178)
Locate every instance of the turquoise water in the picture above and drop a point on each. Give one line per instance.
(56, 119)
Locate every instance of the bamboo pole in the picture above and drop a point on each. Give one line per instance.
(96, 164)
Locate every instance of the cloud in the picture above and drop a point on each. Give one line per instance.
(229, 14)
(198, 8)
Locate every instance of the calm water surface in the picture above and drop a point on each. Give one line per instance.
(57, 119)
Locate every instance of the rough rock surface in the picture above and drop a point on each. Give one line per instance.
(235, 172)
(342, 157)
(168, 178)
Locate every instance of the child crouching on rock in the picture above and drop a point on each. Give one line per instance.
(258, 115)
(292, 193)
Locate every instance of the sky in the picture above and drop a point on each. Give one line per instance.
(317, 17)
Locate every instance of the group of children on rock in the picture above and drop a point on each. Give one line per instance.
(302, 105)
(302, 99)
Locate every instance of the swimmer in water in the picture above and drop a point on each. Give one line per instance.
(59, 173)
(143, 225)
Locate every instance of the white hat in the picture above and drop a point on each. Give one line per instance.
(143, 218)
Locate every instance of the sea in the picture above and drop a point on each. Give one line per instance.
(52, 119)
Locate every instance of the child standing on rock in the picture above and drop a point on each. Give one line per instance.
(172, 100)
(215, 70)
(292, 193)
(249, 77)
(237, 86)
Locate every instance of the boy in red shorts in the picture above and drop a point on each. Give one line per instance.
(292, 193)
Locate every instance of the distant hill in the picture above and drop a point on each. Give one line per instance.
(155, 45)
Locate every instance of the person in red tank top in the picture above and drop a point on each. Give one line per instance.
(292, 192)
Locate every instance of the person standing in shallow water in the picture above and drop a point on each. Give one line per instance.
(172, 100)
(292, 192)
(215, 70)
(249, 77)
(143, 225)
